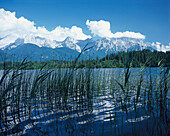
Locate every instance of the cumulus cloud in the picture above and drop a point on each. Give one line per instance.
(102, 29)
(12, 28)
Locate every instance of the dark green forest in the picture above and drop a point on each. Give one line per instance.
(145, 58)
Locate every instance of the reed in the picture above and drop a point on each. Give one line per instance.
(73, 96)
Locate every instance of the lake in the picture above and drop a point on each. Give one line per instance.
(115, 101)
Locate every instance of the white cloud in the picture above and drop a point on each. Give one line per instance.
(12, 28)
(102, 29)
(129, 35)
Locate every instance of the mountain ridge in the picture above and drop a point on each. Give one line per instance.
(41, 48)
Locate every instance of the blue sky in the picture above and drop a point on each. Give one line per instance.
(148, 17)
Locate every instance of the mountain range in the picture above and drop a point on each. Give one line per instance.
(40, 49)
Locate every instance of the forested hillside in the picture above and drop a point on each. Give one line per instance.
(145, 58)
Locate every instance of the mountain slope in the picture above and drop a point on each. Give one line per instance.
(111, 45)
(35, 52)
(39, 48)
(2, 54)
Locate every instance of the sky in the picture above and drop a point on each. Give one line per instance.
(82, 19)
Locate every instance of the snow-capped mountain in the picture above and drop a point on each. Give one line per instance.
(43, 42)
(128, 44)
(105, 44)
(121, 44)
(100, 48)
(71, 43)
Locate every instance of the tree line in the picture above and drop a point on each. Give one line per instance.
(144, 58)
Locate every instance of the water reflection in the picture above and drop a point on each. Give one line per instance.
(86, 102)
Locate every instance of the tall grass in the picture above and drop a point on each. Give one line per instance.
(29, 95)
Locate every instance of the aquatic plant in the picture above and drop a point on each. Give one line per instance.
(84, 101)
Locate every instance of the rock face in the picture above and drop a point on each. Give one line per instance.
(41, 48)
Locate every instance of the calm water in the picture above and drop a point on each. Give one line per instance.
(91, 102)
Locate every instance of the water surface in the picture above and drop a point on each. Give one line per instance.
(89, 102)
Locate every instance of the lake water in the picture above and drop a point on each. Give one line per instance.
(87, 102)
